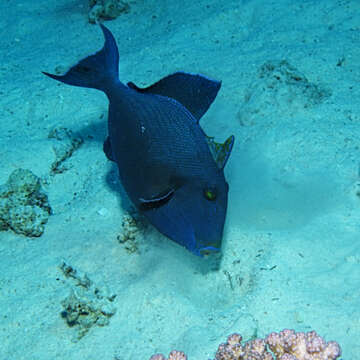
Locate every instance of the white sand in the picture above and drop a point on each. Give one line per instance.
(291, 253)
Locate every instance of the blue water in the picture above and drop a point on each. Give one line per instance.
(290, 256)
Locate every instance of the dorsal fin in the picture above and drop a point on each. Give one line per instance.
(220, 152)
(195, 92)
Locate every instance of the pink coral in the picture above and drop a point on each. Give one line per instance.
(174, 355)
(302, 346)
(177, 355)
(285, 345)
(158, 357)
(233, 349)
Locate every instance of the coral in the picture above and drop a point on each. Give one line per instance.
(87, 304)
(24, 207)
(64, 148)
(106, 9)
(285, 345)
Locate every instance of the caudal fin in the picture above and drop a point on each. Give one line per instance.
(95, 71)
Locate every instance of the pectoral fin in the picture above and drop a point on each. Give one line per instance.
(220, 152)
(156, 201)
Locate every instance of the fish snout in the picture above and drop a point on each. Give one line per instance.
(208, 250)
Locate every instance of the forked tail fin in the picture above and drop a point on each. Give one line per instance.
(96, 71)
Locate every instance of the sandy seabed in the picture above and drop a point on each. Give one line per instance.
(290, 93)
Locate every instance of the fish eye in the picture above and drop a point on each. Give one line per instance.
(210, 194)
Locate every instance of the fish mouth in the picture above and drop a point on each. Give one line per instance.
(208, 250)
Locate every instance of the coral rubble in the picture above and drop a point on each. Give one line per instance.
(106, 9)
(128, 236)
(65, 146)
(24, 207)
(279, 89)
(280, 74)
(87, 304)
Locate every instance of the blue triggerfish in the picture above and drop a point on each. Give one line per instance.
(172, 172)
